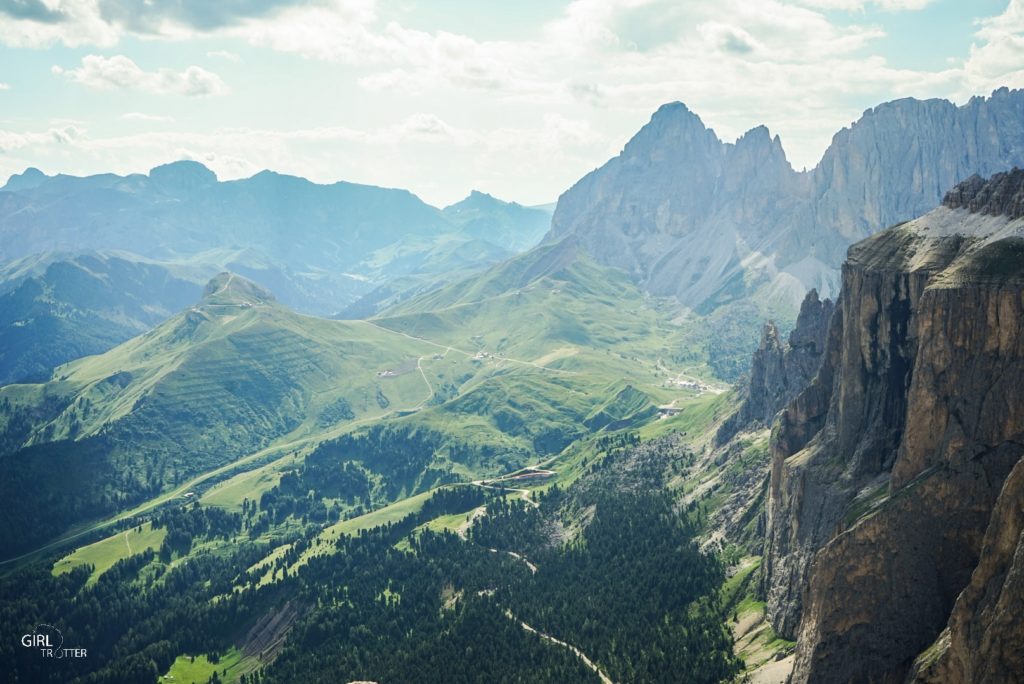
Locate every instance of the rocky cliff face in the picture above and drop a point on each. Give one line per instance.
(890, 467)
(983, 641)
(779, 370)
(765, 231)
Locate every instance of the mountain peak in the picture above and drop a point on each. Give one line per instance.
(760, 139)
(183, 175)
(673, 128)
(230, 289)
(475, 200)
(676, 114)
(482, 196)
(29, 178)
(508, 225)
(673, 108)
(759, 135)
(479, 197)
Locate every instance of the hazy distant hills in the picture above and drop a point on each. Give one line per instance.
(93, 261)
(508, 224)
(490, 231)
(729, 230)
(319, 247)
(710, 222)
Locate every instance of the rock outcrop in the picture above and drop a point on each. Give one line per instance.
(890, 466)
(713, 223)
(996, 197)
(778, 371)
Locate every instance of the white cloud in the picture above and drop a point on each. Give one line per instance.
(5, 86)
(997, 57)
(596, 48)
(120, 72)
(59, 135)
(71, 22)
(42, 23)
(226, 55)
(139, 116)
(424, 126)
(861, 5)
(738, 63)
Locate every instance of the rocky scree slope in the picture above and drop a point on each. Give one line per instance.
(893, 520)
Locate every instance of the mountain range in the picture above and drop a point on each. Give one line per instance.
(320, 248)
(238, 373)
(57, 307)
(729, 231)
(713, 223)
(267, 430)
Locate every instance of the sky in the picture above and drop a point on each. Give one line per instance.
(517, 99)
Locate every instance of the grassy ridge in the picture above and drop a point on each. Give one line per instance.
(210, 386)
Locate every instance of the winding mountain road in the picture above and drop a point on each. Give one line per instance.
(463, 532)
(605, 679)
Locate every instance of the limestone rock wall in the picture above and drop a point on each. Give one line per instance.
(889, 483)
(712, 222)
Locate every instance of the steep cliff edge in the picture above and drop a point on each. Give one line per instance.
(886, 470)
(984, 640)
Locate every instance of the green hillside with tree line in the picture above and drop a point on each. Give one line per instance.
(239, 378)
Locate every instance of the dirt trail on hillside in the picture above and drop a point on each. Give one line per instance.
(605, 679)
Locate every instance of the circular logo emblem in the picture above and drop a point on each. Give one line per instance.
(53, 637)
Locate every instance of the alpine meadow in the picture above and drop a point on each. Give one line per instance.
(607, 341)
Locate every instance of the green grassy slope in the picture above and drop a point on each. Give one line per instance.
(548, 308)
(472, 380)
(103, 554)
(297, 437)
(214, 383)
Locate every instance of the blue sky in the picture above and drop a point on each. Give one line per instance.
(516, 99)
